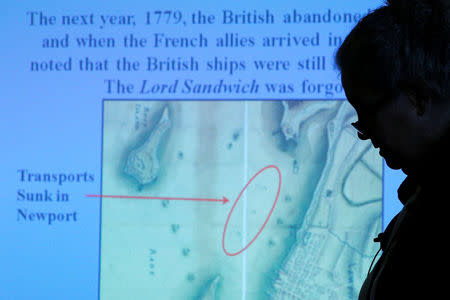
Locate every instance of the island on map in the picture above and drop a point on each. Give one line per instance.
(142, 162)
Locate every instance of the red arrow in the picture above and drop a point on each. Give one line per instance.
(223, 200)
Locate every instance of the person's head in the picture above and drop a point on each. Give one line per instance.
(395, 73)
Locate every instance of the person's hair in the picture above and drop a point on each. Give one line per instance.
(398, 44)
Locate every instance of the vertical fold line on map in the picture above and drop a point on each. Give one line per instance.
(244, 208)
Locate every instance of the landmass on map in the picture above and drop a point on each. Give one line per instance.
(315, 244)
(142, 163)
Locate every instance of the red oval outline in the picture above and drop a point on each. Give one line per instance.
(236, 201)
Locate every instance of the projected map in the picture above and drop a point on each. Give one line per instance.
(236, 200)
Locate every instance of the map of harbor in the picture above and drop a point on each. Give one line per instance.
(317, 242)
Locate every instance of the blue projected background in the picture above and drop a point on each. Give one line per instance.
(184, 150)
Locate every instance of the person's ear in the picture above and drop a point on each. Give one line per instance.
(419, 96)
(420, 102)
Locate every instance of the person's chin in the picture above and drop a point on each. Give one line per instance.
(391, 162)
(393, 165)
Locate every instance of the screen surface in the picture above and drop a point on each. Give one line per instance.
(184, 150)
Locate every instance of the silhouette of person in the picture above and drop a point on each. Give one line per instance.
(394, 70)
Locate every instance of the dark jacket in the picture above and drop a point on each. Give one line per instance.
(416, 244)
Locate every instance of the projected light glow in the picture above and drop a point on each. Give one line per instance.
(184, 151)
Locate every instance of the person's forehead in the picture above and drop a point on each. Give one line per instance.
(360, 95)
